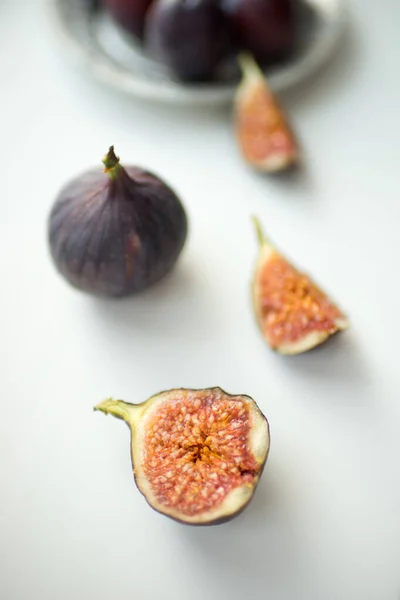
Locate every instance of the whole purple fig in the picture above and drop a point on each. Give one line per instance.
(117, 230)
(265, 28)
(189, 37)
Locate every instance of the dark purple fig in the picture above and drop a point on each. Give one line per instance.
(189, 37)
(267, 29)
(197, 455)
(114, 232)
(129, 14)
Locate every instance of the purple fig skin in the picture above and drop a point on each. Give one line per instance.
(115, 236)
(267, 29)
(189, 37)
(129, 14)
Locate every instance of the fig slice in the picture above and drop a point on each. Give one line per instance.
(265, 137)
(197, 455)
(293, 313)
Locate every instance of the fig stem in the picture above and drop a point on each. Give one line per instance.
(249, 66)
(117, 408)
(111, 163)
(261, 237)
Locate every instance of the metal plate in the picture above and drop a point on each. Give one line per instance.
(98, 44)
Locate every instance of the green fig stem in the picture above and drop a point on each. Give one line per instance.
(261, 237)
(119, 409)
(249, 66)
(111, 163)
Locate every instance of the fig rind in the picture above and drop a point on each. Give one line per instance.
(139, 416)
(316, 325)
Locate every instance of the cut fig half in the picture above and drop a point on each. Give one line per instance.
(293, 313)
(264, 135)
(197, 455)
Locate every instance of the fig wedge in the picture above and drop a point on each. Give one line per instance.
(197, 455)
(264, 135)
(293, 313)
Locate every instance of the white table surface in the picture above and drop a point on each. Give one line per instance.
(324, 524)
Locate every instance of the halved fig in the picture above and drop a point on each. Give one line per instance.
(197, 455)
(293, 313)
(265, 137)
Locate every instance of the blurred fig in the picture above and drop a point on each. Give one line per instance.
(265, 137)
(265, 28)
(114, 232)
(293, 313)
(188, 36)
(129, 14)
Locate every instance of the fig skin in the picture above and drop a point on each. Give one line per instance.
(115, 232)
(129, 14)
(126, 412)
(265, 28)
(190, 38)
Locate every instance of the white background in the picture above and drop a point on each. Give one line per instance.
(324, 524)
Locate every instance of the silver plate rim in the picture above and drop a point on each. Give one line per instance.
(125, 81)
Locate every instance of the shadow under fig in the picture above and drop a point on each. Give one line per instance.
(168, 308)
(261, 543)
(336, 364)
(297, 180)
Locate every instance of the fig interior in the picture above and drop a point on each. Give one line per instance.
(197, 454)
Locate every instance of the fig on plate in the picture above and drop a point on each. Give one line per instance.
(265, 28)
(129, 14)
(115, 231)
(197, 455)
(264, 134)
(294, 315)
(190, 38)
